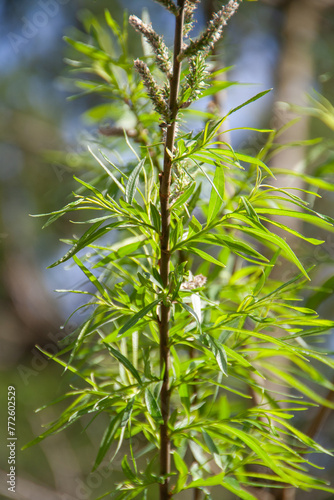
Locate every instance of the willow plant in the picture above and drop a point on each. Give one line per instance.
(186, 336)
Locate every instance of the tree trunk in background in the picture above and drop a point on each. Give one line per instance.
(295, 77)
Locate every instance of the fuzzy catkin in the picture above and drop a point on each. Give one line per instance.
(156, 41)
(213, 33)
(152, 88)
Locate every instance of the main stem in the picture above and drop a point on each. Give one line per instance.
(165, 183)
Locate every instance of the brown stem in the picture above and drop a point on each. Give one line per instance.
(321, 417)
(197, 494)
(165, 183)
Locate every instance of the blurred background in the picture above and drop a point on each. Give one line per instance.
(284, 44)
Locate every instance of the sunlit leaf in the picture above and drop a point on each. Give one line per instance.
(137, 316)
(152, 405)
(133, 182)
(124, 361)
(217, 194)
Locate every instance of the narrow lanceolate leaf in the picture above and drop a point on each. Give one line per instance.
(254, 445)
(56, 214)
(297, 384)
(219, 352)
(152, 406)
(182, 469)
(210, 443)
(155, 217)
(88, 50)
(205, 256)
(232, 485)
(68, 367)
(139, 315)
(275, 240)
(217, 194)
(108, 438)
(192, 312)
(106, 169)
(126, 414)
(124, 361)
(93, 279)
(86, 239)
(81, 337)
(252, 99)
(133, 182)
(197, 305)
(209, 481)
(127, 469)
(123, 251)
(224, 240)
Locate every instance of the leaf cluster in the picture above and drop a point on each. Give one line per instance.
(241, 342)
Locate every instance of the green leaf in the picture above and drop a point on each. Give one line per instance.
(106, 169)
(309, 442)
(209, 442)
(86, 239)
(217, 194)
(182, 469)
(156, 217)
(124, 361)
(181, 200)
(56, 214)
(184, 394)
(112, 23)
(313, 218)
(313, 181)
(194, 225)
(133, 182)
(209, 481)
(67, 367)
(139, 315)
(296, 384)
(192, 312)
(241, 157)
(207, 176)
(85, 330)
(216, 87)
(205, 256)
(275, 240)
(232, 485)
(255, 445)
(152, 406)
(149, 279)
(93, 279)
(235, 245)
(219, 352)
(124, 250)
(108, 438)
(88, 50)
(254, 98)
(127, 470)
